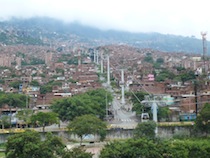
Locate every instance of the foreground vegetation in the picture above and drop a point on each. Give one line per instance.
(85, 114)
(146, 144)
(29, 144)
(147, 148)
(143, 144)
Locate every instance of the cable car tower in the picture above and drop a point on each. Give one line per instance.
(153, 102)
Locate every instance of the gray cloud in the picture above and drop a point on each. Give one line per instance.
(174, 17)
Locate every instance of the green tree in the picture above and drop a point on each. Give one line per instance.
(72, 81)
(184, 148)
(2, 81)
(4, 119)
(45, 89)
(36, 61)
(202, 122)
(25, 116)
(142, 147)
(148, 59)
(145, 129)
(15, 84)
(158, 63)
(187, 76)
(44, 118)
(180, 68)
(163, 113)
(73, 61)
(131, 148)
(53, 144)
(59, 70)
(23, 145)
(164, 74)
(34, 83)
(91, 102)
(42, 75)
(29, 144)
(173, 149)
(20, 54)
(12, 100)
(76, 153)
(13, 75)
(136, 99)
(160, 60)
(87, 124)
(64, 57)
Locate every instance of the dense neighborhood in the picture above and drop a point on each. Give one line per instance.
(156, 103)
(44, 74)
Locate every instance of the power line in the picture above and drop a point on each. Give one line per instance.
(176, 100)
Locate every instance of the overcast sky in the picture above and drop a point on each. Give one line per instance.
(180, 17)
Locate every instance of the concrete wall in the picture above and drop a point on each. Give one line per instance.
(118, 133)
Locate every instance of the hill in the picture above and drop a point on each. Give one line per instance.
(33, 30)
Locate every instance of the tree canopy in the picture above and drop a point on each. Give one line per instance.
(164, 74)
(29, 144)
(5, 121)
(25, 116)
(91, 102)
(44, 118)
(145, 129)
(48, 86)
(87, 124)
(158, 63)
(13, 100)
(187, 75)
(131, 148)
(163, 113)
(202, 122)
(136, 99)
(148, 59)
(142, 147)
(160, 60)
(34, 83)
(76, 153)
(15, 84)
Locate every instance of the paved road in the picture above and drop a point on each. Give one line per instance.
(123, 116)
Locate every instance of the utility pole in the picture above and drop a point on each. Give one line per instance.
(108, 71)
(196, 97)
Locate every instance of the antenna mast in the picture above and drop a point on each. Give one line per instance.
(203, 34)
